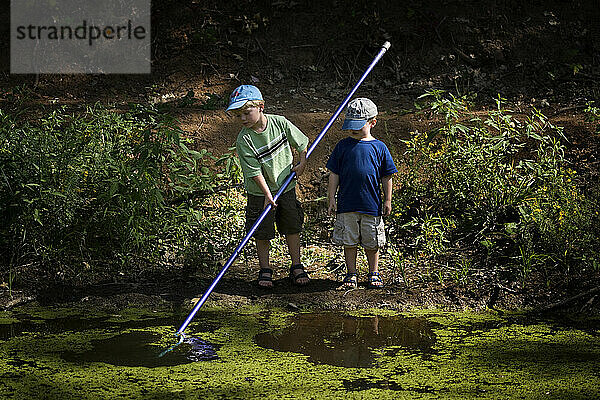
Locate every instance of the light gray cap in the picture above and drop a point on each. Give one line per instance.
(358, 112)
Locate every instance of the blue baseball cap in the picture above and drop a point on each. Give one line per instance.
(241, 95)
(359, 111)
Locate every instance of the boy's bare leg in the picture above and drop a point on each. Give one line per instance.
(293, 243)
(262, 249)
(373, 259)
(350, 258)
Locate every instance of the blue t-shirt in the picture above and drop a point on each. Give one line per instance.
(360, 165)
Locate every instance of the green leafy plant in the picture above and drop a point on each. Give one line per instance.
(95, 192)
(399, 262)
(593, 114)
(496, 183)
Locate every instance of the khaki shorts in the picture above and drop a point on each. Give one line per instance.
(352, 229)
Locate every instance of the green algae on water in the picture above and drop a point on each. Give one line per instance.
(468, 355)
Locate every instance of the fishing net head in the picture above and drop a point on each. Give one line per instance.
(195, 349)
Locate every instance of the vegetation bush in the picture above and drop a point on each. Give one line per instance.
(592, 114)
(103, 191)
(492, 191)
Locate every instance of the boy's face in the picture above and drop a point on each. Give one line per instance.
(249, 117)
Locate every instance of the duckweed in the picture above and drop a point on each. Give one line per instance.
(460, 355)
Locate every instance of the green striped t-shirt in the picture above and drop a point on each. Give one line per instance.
(269, 153)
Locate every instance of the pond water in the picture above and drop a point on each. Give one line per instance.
(134, 349)
(347, 341)
(271, 353)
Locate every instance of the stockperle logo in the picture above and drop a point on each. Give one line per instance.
(74, 36)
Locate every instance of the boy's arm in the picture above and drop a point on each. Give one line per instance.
(299, 169)
(262, 184)
(334, 181)
(386, 182)
(298, 140)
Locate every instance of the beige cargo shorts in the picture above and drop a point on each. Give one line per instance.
(353, 228)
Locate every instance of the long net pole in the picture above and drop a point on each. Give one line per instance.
(285, 184)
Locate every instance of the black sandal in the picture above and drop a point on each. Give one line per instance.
(350, 281)
(294, 277)
(374, 281)
(265, 275)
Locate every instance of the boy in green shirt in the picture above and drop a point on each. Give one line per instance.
(264, 147)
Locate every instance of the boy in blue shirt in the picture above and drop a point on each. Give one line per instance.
(360, 166)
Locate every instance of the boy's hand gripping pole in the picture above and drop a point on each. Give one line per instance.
(285, 184)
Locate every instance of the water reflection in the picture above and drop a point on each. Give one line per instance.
(346, 341)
